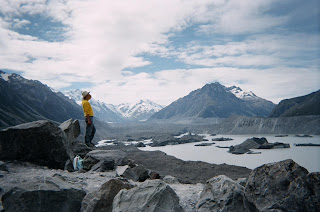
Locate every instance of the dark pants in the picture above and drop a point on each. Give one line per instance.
(90, 131)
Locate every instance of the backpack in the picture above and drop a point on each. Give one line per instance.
(77, 163)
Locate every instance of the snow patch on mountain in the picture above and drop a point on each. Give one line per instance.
(241, 94)
(5, 76)
(141, 109)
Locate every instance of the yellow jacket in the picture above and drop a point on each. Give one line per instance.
(87, 109)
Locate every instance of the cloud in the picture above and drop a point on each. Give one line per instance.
(105, 42)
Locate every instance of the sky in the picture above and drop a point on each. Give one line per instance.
(124, 51)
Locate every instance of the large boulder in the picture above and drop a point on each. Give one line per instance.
(102, 199)
(284, 186)
(151, 195)
(43, 194)
(71, 129)
(223, 194)
(40, 142)
(138, 173)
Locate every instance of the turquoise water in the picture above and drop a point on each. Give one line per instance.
(308, 157)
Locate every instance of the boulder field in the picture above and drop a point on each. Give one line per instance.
(36, 174)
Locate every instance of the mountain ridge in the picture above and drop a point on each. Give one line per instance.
(216, 100)
(24, 100)
(298, 106)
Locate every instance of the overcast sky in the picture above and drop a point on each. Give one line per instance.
(125, 50)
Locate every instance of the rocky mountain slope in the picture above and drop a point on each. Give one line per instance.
(299, 106)
(24, 100)
(216, 100)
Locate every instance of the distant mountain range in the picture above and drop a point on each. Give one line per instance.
(24, 100)
(299, 106)
(139, 111)
(216, 101)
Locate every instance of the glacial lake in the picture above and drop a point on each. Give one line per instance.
(306, 156)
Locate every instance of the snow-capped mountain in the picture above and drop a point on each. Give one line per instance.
(216, 101)
(101, 109)
(238, 92)
(138, 111)
(125, 111)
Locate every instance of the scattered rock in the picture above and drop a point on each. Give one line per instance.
(39, 142)
(252, 152)
(170, 179)
(304, 136)
(138, 173)
(222, 139)
(118, 156)
(140, 144)
(102, 199)
(255, 143)
(281, 136)
(104, 165)
(284, 186)
(308, 144)
(205, 144)
(223, 147)
(171, 140)
(154, 175)
(152, 195)
(223, 194)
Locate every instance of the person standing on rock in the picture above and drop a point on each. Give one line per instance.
(88, 114)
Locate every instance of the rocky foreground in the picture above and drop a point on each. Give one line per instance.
(36, 174)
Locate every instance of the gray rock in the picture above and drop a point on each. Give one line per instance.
(71, 129)
(69, 166)
(3, 167)
(222, 139)
(308, 144)
(43, 194)
(80, 148)
(170, 179)
(138, 173)
(154, 175)
(242, 181)
(255, 143)
(284, 186)
(104, 165)
(223, 194)
(89, 162)
(120, 157)
(164, 140)
(102, 199)
(152, 195)
(204, 144)
(39, 142)
(140, 144)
